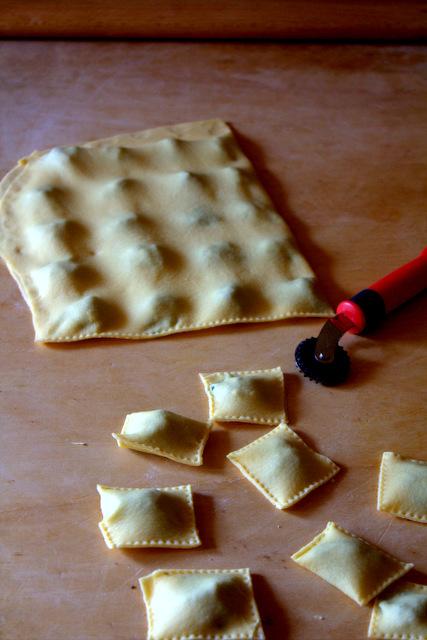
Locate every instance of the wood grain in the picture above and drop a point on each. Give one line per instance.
(337, 134)
(290, 19)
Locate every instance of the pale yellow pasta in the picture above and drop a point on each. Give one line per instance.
(282, 467)
(147, 234)
(166, 434)
(246, 396)
(350, 564)
(400, 613)
(140, 517)
(201, 604)
(402, 487)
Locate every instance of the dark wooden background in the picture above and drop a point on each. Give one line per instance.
(290, 19)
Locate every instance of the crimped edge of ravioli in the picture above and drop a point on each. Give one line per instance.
(258, 633)
(404, 566)
(177, 328)
(232, 456)
(218, 376)
(195, 461)
(188, 131)
(404, 587)
(193, 536)
(387, 456)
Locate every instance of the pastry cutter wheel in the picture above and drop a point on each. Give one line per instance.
(322, 359)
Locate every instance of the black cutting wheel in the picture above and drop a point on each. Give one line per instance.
(327, 374)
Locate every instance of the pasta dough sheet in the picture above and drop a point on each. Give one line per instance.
(147, 234)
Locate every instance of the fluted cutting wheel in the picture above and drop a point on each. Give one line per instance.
(329, 374)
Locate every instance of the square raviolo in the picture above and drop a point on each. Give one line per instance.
(201, 604)
(401, 612)
(246, 396)
(148, 517)
(402, 487)
(282, 467)
(166, 434)
(199, 241)
(350, 564)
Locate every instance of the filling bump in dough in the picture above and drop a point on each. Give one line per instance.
(282, 467)
(350, 564)
(402, 487)
(246, 396)
(166, 434)
(148, 517)
(401, 612)
(147, 234)
(210, 604)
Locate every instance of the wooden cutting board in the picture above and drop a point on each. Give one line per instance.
(338, 137)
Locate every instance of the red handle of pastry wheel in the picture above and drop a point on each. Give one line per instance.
(367, 309)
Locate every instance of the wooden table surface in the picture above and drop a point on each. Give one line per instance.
(338, 135)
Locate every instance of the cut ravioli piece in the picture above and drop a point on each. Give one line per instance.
(246, 396)
(198, 238)
(210, 604)
(148, 517)
(282, 467)
(166, 434)
(350, 564)
(402, 487)
(400, 613)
